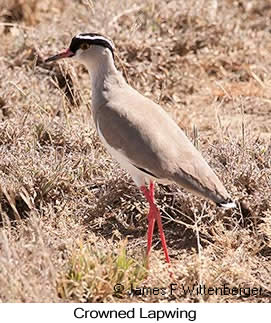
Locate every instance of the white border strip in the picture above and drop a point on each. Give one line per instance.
(133, 312)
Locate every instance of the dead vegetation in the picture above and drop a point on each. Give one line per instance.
(73, 224)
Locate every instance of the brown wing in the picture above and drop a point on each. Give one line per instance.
(151, 140)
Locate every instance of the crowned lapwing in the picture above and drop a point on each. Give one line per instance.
(139, 134)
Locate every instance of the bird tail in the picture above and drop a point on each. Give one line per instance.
(227, 204)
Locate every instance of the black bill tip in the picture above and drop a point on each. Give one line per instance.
(66, 53)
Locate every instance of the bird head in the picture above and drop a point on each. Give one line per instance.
(84, 48)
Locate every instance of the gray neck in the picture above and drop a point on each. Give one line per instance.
(102, 72)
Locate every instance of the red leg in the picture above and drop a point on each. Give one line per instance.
(151, 222)
(153, 215)
(149, 194)
(162, 235)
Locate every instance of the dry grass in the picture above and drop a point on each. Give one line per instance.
(67, 208)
